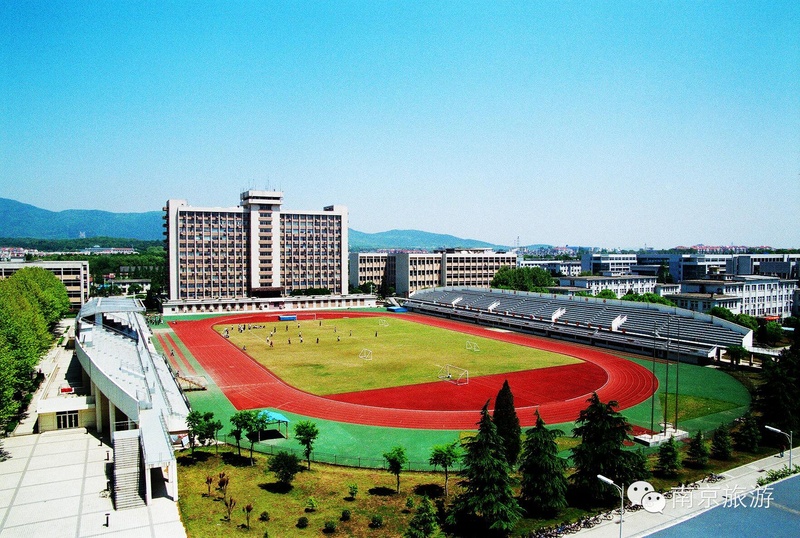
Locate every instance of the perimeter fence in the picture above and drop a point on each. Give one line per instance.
(346, 460)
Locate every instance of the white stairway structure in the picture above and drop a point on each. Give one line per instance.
(127, 470)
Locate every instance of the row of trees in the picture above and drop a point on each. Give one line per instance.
(523, 279)
(32, 302)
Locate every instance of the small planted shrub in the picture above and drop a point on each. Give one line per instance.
(302, 522)
(311, 504)
(264, 516)
(353, 490)
(376, 522)
(409, 504)
(329, 527)
(346, 515)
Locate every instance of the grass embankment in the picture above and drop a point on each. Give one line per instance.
(402, 353)
(204, 516)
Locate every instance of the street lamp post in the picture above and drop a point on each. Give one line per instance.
(789, 437)
(621, 499)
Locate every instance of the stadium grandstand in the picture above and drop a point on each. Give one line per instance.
(134, 396)
(642, 328)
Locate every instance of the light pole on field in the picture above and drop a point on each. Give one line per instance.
(789, 437)
(621, 499)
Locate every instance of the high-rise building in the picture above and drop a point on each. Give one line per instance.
(255, 250)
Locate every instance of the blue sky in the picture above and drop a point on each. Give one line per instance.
(617, 124)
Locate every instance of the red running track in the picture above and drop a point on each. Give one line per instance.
(248, 385)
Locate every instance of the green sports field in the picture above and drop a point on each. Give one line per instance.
(328, 361)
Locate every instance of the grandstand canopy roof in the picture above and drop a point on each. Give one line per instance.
(101, 305)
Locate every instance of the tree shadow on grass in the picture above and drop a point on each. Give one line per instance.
(276, 487)
(381, 491)
(186, 460)
(235, 460)
(432, 491)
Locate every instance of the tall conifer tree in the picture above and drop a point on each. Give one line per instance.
(487, 505)
(544, 486)
(507, 423)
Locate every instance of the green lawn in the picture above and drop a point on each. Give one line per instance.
(403, 353)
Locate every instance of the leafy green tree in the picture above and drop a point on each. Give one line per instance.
(602, 431)
(395, 459)
(721, 445)
(721, 312)
(664, 276)
(647, 298)
(778, 393)
(445, 456)
(507, 423)
(668, 459)
(606, 294)
(522, 278)
(544, 485)
(240, 421)
(736, 354)
(487, 504)
(199, 425)
(306, 433)
(771, 333)
(214, 427)
(255, 426)
(698, 453)
(747, 321)
(423, 524)
(285, 466)
(747, 436)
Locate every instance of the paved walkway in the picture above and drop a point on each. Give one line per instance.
(52, 486)
(720, 509)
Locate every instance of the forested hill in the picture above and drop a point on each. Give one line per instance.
(24, 220)
(19, 220)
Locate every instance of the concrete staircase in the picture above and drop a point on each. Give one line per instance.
(127, 471)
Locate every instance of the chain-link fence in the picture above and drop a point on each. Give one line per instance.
(345, 460)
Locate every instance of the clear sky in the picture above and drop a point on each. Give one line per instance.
(616, 124)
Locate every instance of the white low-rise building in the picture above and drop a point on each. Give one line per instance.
(620, 285)
(760, 296)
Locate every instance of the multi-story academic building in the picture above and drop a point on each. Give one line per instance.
(755, 295)
(607, 264)
(564, 267)
(620, 285)
(408, 272)
(251, 256)
(74, 275)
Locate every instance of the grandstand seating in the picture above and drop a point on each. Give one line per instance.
(644, 326)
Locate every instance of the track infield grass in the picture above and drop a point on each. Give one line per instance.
(402, 353)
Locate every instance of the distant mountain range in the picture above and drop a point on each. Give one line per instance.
(19, 220)
(24, 220)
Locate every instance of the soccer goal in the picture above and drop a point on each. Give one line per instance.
(472, 346)
(365, 354)
(383, 323)
(454, 374)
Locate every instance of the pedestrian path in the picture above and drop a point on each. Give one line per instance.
(56, 484)
(722, 509)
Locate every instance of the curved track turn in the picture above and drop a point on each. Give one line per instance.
(248, 385)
